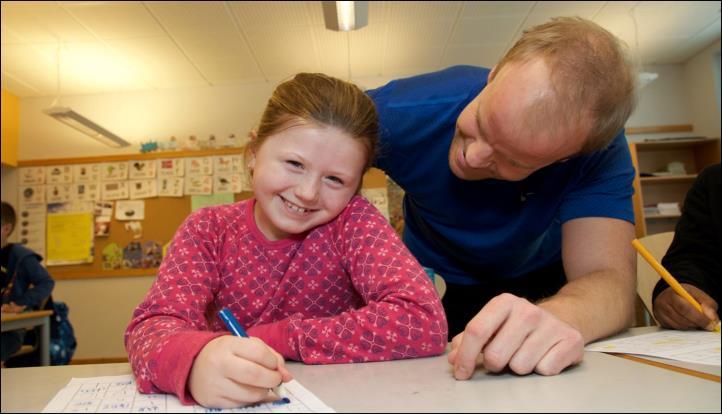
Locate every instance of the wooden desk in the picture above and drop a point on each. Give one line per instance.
(602, 382)
(13, 321)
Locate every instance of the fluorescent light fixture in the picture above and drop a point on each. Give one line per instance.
(645, 78)
(343, 16)
(86, 126)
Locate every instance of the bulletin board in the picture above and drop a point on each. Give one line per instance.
(163, 215)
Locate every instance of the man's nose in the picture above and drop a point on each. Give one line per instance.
(478, 154)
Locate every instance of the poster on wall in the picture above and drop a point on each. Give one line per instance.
(31, 194)
(114, 190)
(143, 189)
(58, 193)
(86, 173)
(227, 183)
(199, 166)
(59, 174)
(111, 171)
(171, 186)
(31, 226)
(199, 184)
(227, 164)
(69, 233)
(85, 192)
(141, 169)
(32, 176)
(171, 167)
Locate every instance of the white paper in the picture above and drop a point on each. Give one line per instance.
(199, 166)
(111, 171)
(87, 173)
(85, 192)
(171, 186)
(227, 164)
(59, 174)
(198, 184)
(143, 189)
(170, 167)
(142, 169)
(32, 175)
(227, 183)
(114, 190)
(31, 194)
(119, 394)
(379, 198)
(700, 347)
(130, 210)
(58, 193)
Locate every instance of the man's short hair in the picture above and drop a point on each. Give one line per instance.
(8, 215)
(592, 76)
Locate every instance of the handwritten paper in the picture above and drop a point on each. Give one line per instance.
(70, 238)
(700, 347)
(119, 394)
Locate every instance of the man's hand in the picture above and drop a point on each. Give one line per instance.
(511, 331)
(673, 311)
(12, 307)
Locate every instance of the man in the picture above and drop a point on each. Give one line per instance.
(518, 189)
(25, 283)
(693, 258)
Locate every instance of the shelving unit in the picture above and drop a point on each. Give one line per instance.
(654, 156)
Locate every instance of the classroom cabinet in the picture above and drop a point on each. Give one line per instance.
(665, 171)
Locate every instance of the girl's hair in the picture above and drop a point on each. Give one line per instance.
(323, 100)
(591, 73)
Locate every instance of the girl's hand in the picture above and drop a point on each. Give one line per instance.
(230, 372)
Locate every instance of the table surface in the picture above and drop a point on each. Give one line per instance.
(602, 382)
(9, 317)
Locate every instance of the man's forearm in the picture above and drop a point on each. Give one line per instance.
(597, 305)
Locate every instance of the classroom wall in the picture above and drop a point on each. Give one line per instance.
(101, 308)
(698, 77)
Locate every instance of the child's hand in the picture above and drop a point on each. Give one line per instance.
(230, 372)
(12, 307)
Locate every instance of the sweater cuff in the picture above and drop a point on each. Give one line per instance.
(276, 335)
(176, 361)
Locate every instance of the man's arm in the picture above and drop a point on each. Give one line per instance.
(546, 338)
(600, 264)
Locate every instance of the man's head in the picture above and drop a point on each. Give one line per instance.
(564, 89)
(8, 222)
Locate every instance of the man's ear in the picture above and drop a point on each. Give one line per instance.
(492, 73)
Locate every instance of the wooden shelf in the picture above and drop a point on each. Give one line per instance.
(668, 178)
(661, 216)
(695, 153)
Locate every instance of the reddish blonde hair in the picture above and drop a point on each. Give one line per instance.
(591, 74)
(324, 100)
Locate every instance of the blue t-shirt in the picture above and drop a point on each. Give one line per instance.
(471, 231)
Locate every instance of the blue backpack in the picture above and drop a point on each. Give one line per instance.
(62, 336)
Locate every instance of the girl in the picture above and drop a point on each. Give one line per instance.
(311, 270)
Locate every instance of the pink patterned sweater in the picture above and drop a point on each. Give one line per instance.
(347, 291)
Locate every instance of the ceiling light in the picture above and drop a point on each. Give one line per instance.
(79, 122)
(86, 126)
(343, 16)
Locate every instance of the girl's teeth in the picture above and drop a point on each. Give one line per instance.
(295, 208)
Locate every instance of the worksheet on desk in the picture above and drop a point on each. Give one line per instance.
(700, 347)
(118, 394)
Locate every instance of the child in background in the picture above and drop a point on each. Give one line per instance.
(310, 268)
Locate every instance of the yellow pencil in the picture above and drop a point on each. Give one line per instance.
(668, 277)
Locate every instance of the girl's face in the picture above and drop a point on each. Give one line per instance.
(303, 177)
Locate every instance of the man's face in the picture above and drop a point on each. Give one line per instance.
(494, 139)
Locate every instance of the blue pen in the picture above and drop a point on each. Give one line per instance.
(232, 324)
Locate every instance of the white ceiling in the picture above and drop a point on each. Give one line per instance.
(109, 46)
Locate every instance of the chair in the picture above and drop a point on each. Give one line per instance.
(647, 277)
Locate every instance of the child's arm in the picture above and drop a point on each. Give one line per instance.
(170, 343)
(399, 314)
